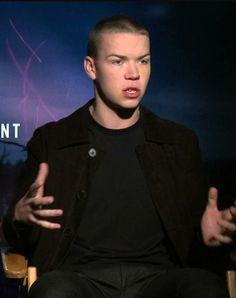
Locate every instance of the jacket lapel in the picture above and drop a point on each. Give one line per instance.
(159, 161)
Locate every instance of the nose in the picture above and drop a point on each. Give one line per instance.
(132, 72)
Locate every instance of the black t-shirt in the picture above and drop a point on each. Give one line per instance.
(120, 222)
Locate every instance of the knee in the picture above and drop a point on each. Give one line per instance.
(50, 285)
(204, 284)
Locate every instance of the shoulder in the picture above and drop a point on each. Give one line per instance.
(65, 122)
(165, 130)
(64, 130)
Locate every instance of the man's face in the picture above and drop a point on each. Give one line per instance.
(122, 69)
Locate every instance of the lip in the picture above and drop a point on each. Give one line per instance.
(131, 92)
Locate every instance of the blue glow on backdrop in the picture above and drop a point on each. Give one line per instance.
(42, 45)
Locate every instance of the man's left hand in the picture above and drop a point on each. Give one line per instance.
(218, 226)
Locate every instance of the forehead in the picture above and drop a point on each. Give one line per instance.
(123, 44)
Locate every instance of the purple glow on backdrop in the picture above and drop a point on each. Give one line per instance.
(24, 41)
(192, 66)
(27, 86)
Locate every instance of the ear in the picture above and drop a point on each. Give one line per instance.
(89, 67)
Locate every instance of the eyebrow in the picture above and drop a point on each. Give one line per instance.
(124, 57)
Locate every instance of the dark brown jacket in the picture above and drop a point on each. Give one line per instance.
(170, 160)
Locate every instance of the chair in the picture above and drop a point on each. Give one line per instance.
(15, 266)
(231, 276)
(231, 280)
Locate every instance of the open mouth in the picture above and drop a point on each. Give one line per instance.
(131, 92)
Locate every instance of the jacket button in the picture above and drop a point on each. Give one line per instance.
(92, 152)
(68, 233)
(81, 195)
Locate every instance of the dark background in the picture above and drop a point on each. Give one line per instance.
(42, 45)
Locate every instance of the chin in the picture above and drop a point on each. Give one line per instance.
(132, 104)
(123, 103)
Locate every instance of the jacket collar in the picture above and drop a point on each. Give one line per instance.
(157, 130)
(74, 129)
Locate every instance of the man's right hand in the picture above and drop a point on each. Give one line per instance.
(29, 209)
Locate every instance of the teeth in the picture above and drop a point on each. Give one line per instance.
(131, 90)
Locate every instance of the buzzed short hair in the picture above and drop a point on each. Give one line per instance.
(114, 24)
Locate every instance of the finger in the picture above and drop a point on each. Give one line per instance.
(40, 201)
(33, 190)
(37, 188)
(232, 211)
(223, 239)
(227, 225)
(212, 197)
(44, 223)
(48, 212)
(229, 214)
(42, 173)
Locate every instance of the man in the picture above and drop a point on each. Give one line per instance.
(117, 195)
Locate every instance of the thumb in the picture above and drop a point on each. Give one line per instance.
(212, 197)
(42, 174)
(37, 187)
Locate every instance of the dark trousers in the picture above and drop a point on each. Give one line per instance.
(129, 281)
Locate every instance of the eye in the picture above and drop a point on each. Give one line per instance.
(145, 61)
(116, 61)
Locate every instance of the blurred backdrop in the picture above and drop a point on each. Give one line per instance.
(42, 46)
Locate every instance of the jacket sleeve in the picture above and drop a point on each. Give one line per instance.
(20, 236)
(196, 182)
(200, 254)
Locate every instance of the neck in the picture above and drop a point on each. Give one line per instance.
(113, 119)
